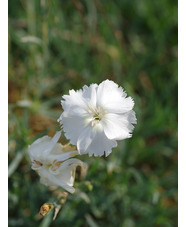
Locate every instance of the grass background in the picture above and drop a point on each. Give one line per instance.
(58, 45)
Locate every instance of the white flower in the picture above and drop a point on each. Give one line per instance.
(52, 163)
(95, 117)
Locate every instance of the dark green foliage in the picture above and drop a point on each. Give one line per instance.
(59, 45)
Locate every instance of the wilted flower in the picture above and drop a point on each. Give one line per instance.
(95, 117)
(52, 163)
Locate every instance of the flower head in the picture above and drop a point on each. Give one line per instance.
(95, 117)
(54, 166)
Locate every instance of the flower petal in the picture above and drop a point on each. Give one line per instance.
(113, 98)
(63, 156)
(117, 126)
(52, 143)
(85, 139)
(90, 95)
(100, 145)
(73, 127)
(37, 147)
(73, 100)
(49, 179)
(94, 142)
(43, 146)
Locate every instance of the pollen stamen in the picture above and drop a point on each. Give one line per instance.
(38, 163)
(97, 116)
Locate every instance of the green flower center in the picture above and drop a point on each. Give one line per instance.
(97, 115)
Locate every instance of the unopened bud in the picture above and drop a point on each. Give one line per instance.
(45, 208)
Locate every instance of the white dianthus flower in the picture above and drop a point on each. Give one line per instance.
(54, 166)
(95, 117)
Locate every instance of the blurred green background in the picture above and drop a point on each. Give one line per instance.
(59, 45)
